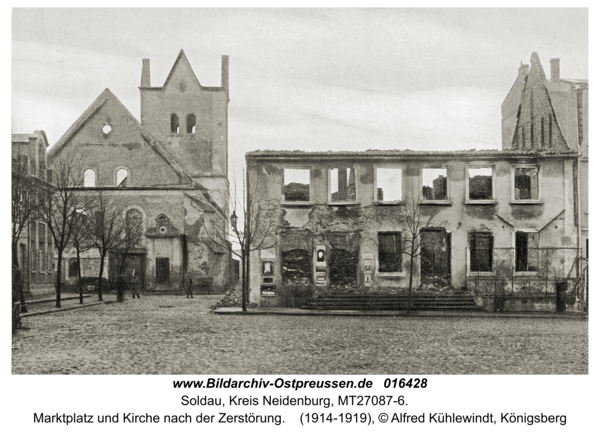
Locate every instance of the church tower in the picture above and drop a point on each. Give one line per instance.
(190, 120)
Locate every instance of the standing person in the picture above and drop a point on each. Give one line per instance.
(188, 282)
(134, 286)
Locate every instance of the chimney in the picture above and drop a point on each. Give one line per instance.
(225, 73)
(145, 73)
(554, 69)
(523, 70)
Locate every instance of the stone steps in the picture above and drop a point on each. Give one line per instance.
(392, 302)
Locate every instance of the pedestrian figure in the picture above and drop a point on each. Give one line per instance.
(134, 286)
(188, 281)
(121, 288)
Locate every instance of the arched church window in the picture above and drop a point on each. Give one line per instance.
(122, 176)
(89, 178)
(174, 124)
(134, 220)
(190, 122)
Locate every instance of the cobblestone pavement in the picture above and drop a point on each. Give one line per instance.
(175, 335)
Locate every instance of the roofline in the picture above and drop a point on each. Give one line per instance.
(204, 88)
(96, 105)
(134, 188)
(410, 155)
(93, 109)
(35, 135)
(179, 57)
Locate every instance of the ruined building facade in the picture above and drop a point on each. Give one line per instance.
(168, 172)
(503, 225)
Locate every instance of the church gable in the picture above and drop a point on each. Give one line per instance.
(537, 126)
(182, 78)
(110, 139)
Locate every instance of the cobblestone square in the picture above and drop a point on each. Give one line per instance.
(176, 335)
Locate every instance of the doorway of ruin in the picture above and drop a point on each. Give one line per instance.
(435, 257)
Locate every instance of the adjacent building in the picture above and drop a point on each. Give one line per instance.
(35, 245)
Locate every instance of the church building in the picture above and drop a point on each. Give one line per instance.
(168, 172)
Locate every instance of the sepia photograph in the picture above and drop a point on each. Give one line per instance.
(343, 191)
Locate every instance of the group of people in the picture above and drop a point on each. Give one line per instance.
(134, 285)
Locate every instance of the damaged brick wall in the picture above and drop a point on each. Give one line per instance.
(343, 259)
(296, 257)
(296, 267)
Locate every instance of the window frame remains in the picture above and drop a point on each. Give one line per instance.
(310, 200)
(514, 183)
(401, 168)
(487, 201)
(345, 201)
(434, 201)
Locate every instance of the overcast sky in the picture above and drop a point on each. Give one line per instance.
(310, 79)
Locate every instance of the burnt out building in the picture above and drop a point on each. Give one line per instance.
(351, 231)
(507, 226)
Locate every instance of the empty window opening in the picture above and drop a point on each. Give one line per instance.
(389, 185)
(481, 251)
(480, 183)
(296, 185)
(122, 176)
(390, 252)
(174, 124)
(190, 123)
(343, 184)
(526, 183)
(89, 178)
(435, 184)
(527, 251)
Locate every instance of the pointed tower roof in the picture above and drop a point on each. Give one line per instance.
(183, 62)
(536, 72)
(536, 86)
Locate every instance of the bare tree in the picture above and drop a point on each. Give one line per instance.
(105, 228)
(251, 230)
(25, 208)
(413, 222)
(61, 210)
(132, 232)
(81, 243)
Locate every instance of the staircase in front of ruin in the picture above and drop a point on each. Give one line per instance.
(432, 302)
